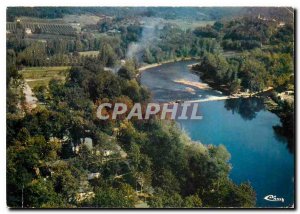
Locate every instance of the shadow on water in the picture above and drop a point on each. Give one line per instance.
(284, 133)
(248, 108)
(290, 142)
(287, 127)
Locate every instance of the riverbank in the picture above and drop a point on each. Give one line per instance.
(206, 86)
(211, 84)
(145, 67)
(194, 84)
(270, 104)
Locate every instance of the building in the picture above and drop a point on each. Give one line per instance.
(92, 176)
(281, 24)
(28, 31)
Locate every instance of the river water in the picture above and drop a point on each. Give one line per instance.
(244, 126)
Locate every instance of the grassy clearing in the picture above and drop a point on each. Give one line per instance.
(36, 76)
(40, 20)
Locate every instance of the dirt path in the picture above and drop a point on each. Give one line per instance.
(30, 99)
(32, 80)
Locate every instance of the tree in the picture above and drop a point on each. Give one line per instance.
(148, 57)
(40, 193)
(40, 93)
(108, 197)
(107, 55)
(192, 201)
(126, 73)
(13, 83)
(253, 75)
(235, 86)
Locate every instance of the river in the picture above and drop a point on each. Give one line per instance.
(244, 126)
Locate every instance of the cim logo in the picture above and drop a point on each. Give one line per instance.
(273, 198)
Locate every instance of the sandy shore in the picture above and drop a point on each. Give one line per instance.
(234, 96)
(165, 62)
(150, 66)
(212, 98)
(199, 85)
(205, 86)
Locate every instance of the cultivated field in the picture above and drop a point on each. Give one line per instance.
(36, 76)
(43, 28)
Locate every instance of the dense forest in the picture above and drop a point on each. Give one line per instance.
(161, 164)
(262, 58)
(60, 154)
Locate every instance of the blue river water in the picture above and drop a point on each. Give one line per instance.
(243, 126)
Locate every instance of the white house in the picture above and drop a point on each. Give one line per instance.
(28, 31)
(93, 175)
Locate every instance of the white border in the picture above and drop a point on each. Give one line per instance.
(196, 3)
(199, 3)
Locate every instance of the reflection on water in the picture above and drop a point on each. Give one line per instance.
(247, 108)
(290, 144)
